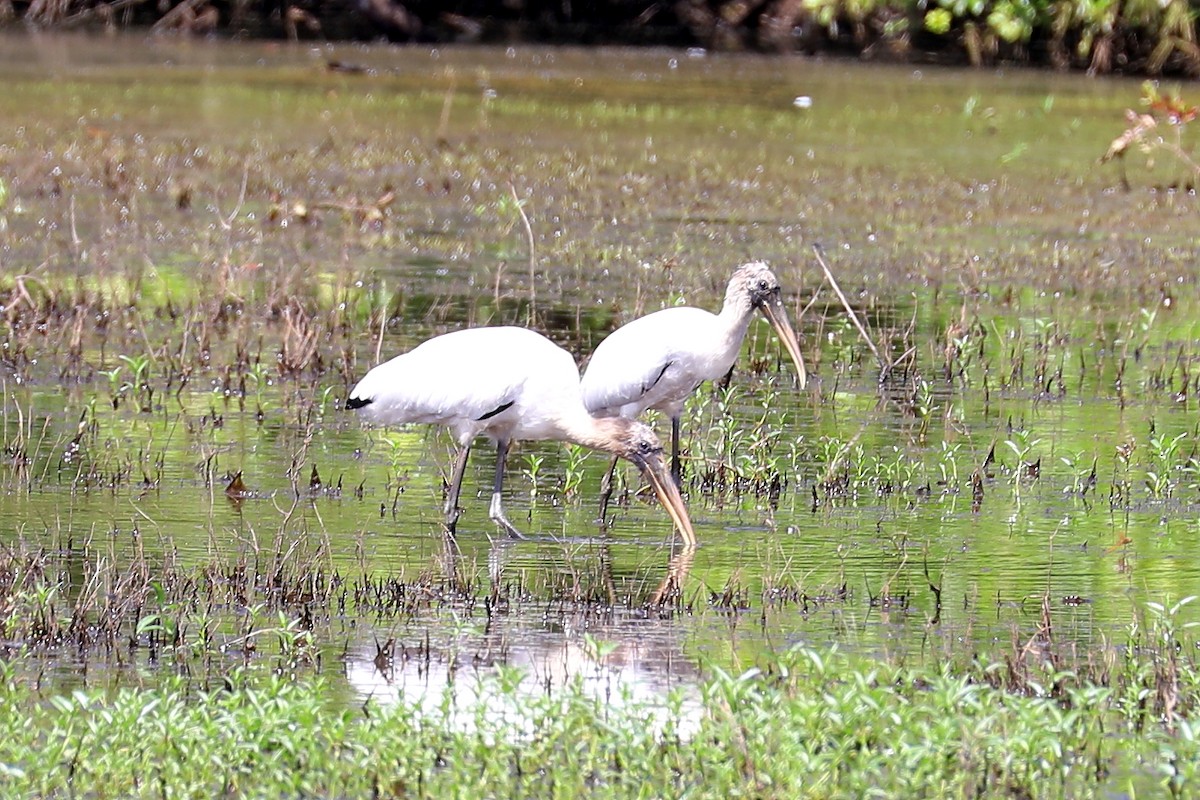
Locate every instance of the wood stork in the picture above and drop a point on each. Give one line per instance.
(505, 383)
(657, 360)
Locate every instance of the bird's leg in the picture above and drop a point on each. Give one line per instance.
(606, 490)
(675, 471)
(456, 479)
(496, 512)
(723, 384)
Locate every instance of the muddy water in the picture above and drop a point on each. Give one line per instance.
(249, 227)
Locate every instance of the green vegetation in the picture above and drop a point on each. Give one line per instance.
(1146, 36)
(1101, 35)
(807, 724)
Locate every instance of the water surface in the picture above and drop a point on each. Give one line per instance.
(251, 229)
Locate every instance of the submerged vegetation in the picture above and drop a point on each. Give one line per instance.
(239, 705)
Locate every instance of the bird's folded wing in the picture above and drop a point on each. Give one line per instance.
(439, 382)
(610, 383)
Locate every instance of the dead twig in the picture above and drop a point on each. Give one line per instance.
(226, 223)
(820, 254)
(532, 259)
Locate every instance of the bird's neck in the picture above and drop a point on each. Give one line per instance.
(597, 433)
(735, 319)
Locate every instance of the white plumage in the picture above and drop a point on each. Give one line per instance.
(656, 361)
(504, 383)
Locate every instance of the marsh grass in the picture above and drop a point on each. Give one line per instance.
(272, 601)
(808, 723)
(180, 390)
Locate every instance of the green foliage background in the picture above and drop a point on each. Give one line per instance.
(1135, 36)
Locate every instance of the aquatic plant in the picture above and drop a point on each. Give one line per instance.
(806, 721)
(1162, 110)
(532, 471)
(573, 471)
(1163, 454)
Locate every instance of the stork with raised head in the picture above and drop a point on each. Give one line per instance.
(656, 361)
(505, 383)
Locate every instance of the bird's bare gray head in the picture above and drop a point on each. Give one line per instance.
(638, 443)
(626, 438)
(753, 285)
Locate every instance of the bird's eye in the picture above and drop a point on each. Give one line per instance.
(762, 284)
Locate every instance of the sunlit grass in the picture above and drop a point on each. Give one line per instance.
(808, 724)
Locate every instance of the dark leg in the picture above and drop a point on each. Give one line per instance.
(456, 479)
(496, 512)
(675, 452)
(606, 490)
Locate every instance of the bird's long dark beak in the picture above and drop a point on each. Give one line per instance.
(655, 470)
(776, 314)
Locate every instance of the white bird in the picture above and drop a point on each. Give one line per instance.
(657, 360)
(505, 383)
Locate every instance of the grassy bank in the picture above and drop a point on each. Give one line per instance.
(809, 724)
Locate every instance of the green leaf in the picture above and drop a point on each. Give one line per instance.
(938, 21)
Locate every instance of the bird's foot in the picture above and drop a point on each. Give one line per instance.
(512, 532)
(496, 512)
(507, 526)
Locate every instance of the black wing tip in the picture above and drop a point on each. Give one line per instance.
(358, 402)
(497, 410)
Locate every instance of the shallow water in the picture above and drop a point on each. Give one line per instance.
(184, 194)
